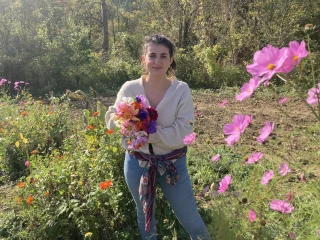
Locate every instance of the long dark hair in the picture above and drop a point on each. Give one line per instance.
(163, 40)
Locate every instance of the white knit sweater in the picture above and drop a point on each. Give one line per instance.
(175, 115)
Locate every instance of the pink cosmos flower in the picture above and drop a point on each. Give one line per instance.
(216, 158)
(267, 176)
(282, 100)
(281, 206)
(26, 163)
(269, 61)
(3, 81)
(223, 103)
(291, 235)
(303, 178)
(239, 124)
(297, 51)
(255, 157)
(232, 139)
(224, 184)
(252, 215)
(190, 138)
(248, 88)
(265, 132)
(284, 169)
(205, 190)
(289, 196)
(314, 95)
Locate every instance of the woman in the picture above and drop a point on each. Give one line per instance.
(163, 159)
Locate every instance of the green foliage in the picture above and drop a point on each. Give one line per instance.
(69, 156)
(57, 46)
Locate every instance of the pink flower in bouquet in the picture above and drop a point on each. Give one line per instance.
(284, 169)
(127, 128)
(190, 138)
(265, 132)
(252, 215)
(255, 157)
(224, 184)
(216, 158)
(126, 111)
(26, 163)
(314, 95)
(282, 100)
(223, 103)
(248, 88)
(138, 139)
(269, 61)
(297, 51)
(267, 176)
(239, 124)
(281, 206)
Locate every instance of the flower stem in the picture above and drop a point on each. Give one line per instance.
(313, 72)
(301, 96)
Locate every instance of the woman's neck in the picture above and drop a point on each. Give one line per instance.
(157, 81)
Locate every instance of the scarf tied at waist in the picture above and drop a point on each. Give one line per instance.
(147, 188)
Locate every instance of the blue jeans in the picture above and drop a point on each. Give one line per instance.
(180, 197)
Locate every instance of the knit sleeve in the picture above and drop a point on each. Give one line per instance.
(171, 137)
(110, 114)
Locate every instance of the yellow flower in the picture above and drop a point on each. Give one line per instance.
(88, 234)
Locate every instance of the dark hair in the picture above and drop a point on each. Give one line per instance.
(163, 40)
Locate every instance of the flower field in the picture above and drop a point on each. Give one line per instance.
(61, 171)
(253, 159)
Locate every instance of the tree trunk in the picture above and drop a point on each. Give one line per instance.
(104, 21)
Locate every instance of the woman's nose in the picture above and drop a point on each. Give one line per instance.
(157, 60)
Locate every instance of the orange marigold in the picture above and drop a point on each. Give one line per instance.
(29, 200)
(95, 114)
(106, 184)
(51, 112)
(46, 194)
(110, 131)
(35, 151)
(24, 113)
(19, 200)
(90, 127)
(21, 184)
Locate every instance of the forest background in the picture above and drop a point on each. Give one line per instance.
(77, 44)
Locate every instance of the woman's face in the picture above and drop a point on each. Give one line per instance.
(157, 60)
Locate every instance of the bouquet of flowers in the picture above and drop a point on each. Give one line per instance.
(136, 120)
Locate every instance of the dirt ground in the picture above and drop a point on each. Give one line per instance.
(291, 115)
(293, 120)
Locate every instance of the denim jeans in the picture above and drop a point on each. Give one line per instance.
(180, 197)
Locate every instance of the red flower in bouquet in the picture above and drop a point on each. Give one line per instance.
(136, 120)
